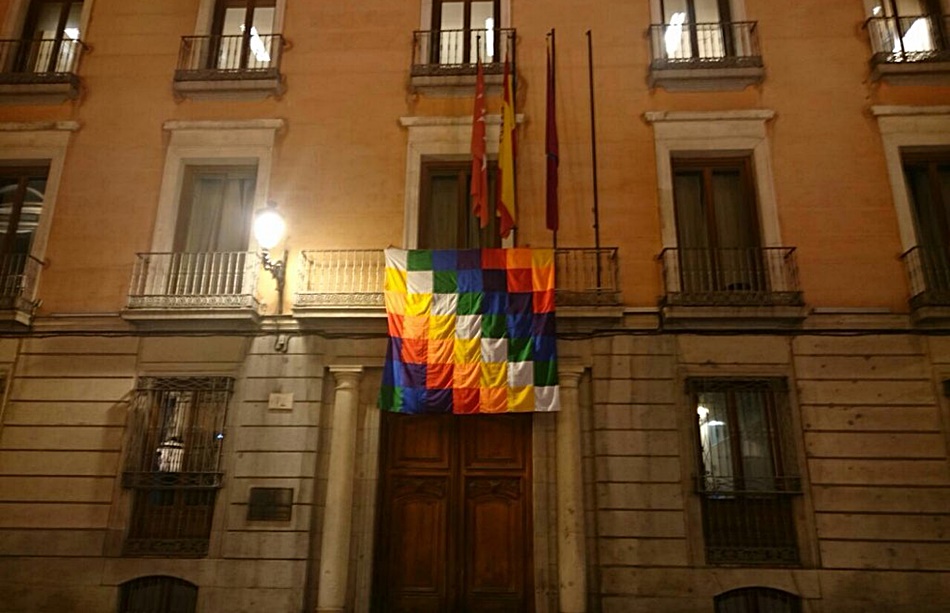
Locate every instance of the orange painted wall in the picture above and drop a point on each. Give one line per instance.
(339, 167)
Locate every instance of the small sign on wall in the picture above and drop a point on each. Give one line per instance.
(281, 401)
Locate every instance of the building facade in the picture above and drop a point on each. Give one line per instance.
(753, 355)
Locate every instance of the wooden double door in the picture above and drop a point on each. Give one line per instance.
(454, 523)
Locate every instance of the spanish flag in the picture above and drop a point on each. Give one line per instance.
(506, 158)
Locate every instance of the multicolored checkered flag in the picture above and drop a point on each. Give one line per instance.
(470, 331)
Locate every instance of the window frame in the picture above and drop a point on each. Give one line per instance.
(166, 585)
(15, 23)
(208, 9)
(489, 237)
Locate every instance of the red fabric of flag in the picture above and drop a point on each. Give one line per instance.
(551, 147)
(506, 158)
(479, 188)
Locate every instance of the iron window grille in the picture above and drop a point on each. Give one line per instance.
(157, 594)
(173, 464)
(747, 477)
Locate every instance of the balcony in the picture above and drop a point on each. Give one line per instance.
(910, 50)
(39, 70)
(229, 66)
(750, 522)
(741, 286)
(444, 60)
(348, 283)
(18, 276)
(705, 56)
(928, 270)
(204, 286)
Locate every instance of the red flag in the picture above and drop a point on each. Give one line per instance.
(506, 158)
(479, 188)
(551, 145)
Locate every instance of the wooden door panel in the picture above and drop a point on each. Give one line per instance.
(494, 542)
(494, 443)
(418, 554)
(420, 442)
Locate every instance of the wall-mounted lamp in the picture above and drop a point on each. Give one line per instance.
(269, 229)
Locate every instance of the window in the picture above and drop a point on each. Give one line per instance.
(51, 37)
(717, 226)
(467, 30)
(173, 464)
(158, 594)
(696, 29)
(22, 192)
(244, 30)
(907, 30)
(217, 204)
(747, 472)
(757, 600)
(446, 215)
(927, 173)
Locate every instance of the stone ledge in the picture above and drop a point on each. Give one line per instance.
(911, 73)
(706, 79)
(229, 89)
(38, 93)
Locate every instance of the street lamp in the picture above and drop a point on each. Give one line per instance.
(269, 228)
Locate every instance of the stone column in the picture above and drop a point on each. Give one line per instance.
(338, 514)
(571, 542)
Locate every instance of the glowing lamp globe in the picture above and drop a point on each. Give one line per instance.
(269, 228)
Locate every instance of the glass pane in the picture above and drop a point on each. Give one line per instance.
(715, 444)
(29, 212)
(707, 11)
(675, 11)
(482, 25)
(47, 20)
(735, 217)
(451, 34)
(758, 467)
(442, 223)
(264, 20)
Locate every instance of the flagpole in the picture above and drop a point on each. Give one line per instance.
(593, 149)
(553, 92)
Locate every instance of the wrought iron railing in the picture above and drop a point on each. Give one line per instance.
(47, 60)
(18, 276)
(194, 280)
(705, 45)
(454, 52)
(749, 521)
(757, 276)
(587, 276)
(252, 56)
(170, 522)
(928, 270)
(918, 38)
(341, 277)
(354, 277)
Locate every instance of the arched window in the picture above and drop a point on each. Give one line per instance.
(158, 594)
(758, 600)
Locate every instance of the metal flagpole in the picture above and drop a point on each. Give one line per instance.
(593, 149)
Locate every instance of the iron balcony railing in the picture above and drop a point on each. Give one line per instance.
(755, 276)
(170, 522)
(354, 277)
(18, 275)
(205, 58)
(46, 60)
(195, 280)
(705, 45)
(749, 521)
(918, 38)
(454, 52)
(928, 269)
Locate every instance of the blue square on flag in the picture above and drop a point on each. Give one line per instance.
(519, 326)
(496, 303)
(470, 281)
(444, 259)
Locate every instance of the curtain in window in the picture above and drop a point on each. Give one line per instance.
(220, 212)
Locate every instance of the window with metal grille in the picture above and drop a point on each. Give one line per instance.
(757, 600)
(177, 431)
(270, 504)
(747, 473)
(157, 594)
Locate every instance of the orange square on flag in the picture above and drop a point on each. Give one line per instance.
(415, 326)
(542, 258)
(494, 399)
(439, 376)
(414, 350)
(465, 400)
(441, 351)
(520, 258)
(494, 258)
(543, 302)
(542, 278)
(467, 375)
(395, 325)
(519, 280)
